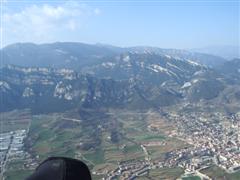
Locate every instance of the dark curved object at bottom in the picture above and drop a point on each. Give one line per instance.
(61, 168)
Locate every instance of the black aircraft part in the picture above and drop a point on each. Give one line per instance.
(61, 168)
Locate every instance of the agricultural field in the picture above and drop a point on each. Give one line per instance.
(220, 174)
(14, 120)
(101, 140)
(17, 174)
(164, 173)
(192, 178)
(49, 135)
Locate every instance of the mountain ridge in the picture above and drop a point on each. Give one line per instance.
(126, 79)
(76, 55)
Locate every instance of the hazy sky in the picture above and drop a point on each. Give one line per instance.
(167, 24)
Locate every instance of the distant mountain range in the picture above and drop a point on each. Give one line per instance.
(226, 52)
(63, 76)
(78, 55)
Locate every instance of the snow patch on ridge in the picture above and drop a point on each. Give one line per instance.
(126, 59)
(172, 65)
(167, 56)
(195, 80)
(186, 85)
(158, 68)
(59, 51)
(193, 63)
(108, 64)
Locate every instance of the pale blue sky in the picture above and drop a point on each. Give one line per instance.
(173, 24)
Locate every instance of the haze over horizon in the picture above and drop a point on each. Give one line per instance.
(181, 25)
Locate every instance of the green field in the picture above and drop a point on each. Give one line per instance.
(192, 178)
(163, 173)
(17, 174)
(47, 139)
(220, 174)
(14, 120)
(97, 156)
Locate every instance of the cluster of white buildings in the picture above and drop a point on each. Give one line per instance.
(215, 136)
(11, 147)
(129, 170)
